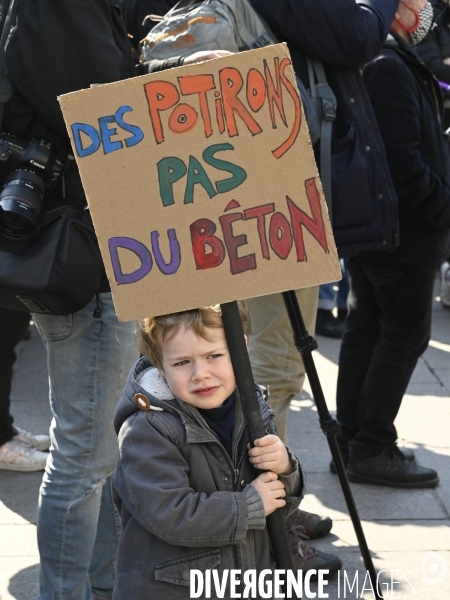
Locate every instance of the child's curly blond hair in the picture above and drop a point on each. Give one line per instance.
(154, 332)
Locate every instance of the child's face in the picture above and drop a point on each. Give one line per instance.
(197, 371)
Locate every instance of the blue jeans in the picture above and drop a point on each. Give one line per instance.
(78, 527)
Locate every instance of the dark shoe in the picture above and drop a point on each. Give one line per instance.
(306, 557)
(328, 325)
(314, 526)
(407, 453)
(389, 468)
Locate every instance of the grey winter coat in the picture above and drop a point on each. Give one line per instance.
(185, 504)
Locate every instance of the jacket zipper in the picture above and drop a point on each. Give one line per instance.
(221, 447)
(234, 468)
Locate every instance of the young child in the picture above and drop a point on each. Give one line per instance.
(191, 496)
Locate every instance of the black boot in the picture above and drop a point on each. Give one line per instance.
(343, 442)
(328, 325)
(388, 468)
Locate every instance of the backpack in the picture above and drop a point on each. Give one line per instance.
(234, 25)
(189, 27)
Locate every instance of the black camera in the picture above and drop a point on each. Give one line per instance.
(36, 168)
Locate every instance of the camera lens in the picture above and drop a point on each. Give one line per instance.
(15, 222)
(20, 206)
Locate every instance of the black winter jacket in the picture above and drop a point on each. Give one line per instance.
(55, 48)
(345, 35)
(436, 46)
(407, 102)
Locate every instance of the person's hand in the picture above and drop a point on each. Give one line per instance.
(270, 454)
(204, 55)
(271, 490)
(447, 61)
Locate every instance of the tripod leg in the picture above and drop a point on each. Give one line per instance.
(305, 345)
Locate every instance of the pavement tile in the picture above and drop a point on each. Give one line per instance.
(429, 429)
(443, 492)
(397, 535)
(18, 540)
(19, 578)
(30, 389)
(19, 493)
(422, 374)
(424, 393)
(302, 418)
(31, 353)
(436, 358)
(312, 450)
(325, 497)
(444, 377)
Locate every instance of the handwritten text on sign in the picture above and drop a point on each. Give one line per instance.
(202, 184)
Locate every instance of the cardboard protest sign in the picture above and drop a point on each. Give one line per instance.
(202, 184)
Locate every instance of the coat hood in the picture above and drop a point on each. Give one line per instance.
(145, 390)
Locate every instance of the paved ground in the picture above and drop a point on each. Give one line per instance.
(405, 530)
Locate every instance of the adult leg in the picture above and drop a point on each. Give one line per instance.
(88, 361)
(275, 360)
(13, 325)
(100, 567)
(404, 294)
(360, 336)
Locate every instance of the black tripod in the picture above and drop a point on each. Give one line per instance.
(305, 344)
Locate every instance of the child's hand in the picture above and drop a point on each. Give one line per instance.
(270, 454)
(271, 490)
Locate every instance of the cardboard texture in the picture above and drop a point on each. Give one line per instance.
(202, 184)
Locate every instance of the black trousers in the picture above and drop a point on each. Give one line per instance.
(388, 327)
(13, 325)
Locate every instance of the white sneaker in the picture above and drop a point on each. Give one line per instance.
(17, 455)
(40, 442)
(445, 284)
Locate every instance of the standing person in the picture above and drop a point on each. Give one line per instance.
(389, 320)
(19, 449)
(364, 201)
(434, 50)
(192, 496)
(53, 49)
(344, 35)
